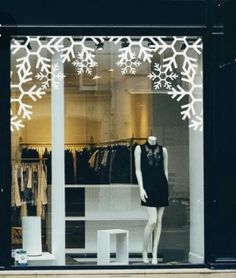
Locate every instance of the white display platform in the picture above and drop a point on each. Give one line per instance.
(42, 260)
(104, 247)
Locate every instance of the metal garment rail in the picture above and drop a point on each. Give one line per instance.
(130, 141)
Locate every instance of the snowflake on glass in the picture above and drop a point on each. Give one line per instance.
(84, 63)
(197, 123)
(130, 49)
(51, 79)
(30, 49)
(82, 55)
(21, 93)
(128, 65)
(36, 47)
(16, 123)
(186, 51)
(162, 77)
(193, 109)
(178, 47)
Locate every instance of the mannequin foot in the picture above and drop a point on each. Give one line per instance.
(145, 258)
(154, 261)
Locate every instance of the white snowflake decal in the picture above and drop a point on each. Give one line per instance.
(39, 48)
(197, 123)
(190, 110)
(132, 49)
(84, 63)
(16, 123)
(50, 78)
(181, 48)
(83, 56)
(162, 77)
(28, 49)
(128, 65)
(21, 93)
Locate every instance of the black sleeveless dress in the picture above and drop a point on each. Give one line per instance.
(154, 179)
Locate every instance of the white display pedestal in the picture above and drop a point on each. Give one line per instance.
(44, 260)
(31, 235)
(104, 247)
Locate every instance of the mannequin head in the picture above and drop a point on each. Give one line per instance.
(152, 140)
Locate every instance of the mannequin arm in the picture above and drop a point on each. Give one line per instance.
(137, 157)
(165, 158)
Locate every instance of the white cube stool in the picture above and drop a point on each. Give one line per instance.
(104, 247)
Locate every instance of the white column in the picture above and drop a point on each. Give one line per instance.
(196, 254)
(58, 172)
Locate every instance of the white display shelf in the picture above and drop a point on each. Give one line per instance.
(76, 251)
(110, 206)
(99, 218)
(42, 260)
(113, 185)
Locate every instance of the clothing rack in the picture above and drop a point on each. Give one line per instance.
(130, 141)
(115, 141)
(26, 159)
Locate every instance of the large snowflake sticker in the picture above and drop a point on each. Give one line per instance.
(84, 63)
(128, 65)
(83, 56)
(50, 79)
(37, 47)
(181, 48)
(130, 49)
(21, 93)
(26, 50)
(193, 109)
(162, 77)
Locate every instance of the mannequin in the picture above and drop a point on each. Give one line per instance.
(151, 167)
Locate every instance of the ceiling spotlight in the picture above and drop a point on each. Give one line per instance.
(23, 40)
(29, 46)
(151, 45)
(183, 46)
(100, 46)
(124, 43)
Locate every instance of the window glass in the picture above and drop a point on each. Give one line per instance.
(124, 118)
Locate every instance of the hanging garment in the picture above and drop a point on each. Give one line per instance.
(120, 170)
(154, 179)
(29, 188)
(42, 191)
(48, 161)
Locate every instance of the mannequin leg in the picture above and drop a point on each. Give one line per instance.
(157, 234)
(152, 221)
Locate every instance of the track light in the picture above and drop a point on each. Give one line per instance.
(100, 46)
(29, 46)
(124, 43)
(183, 46)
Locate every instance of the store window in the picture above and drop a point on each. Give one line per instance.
(107, 150)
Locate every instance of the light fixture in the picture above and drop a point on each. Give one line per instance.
(183, 46)
(111, 70)
(151, 45)
(29, 46)
(124, 43)
(100, 46)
